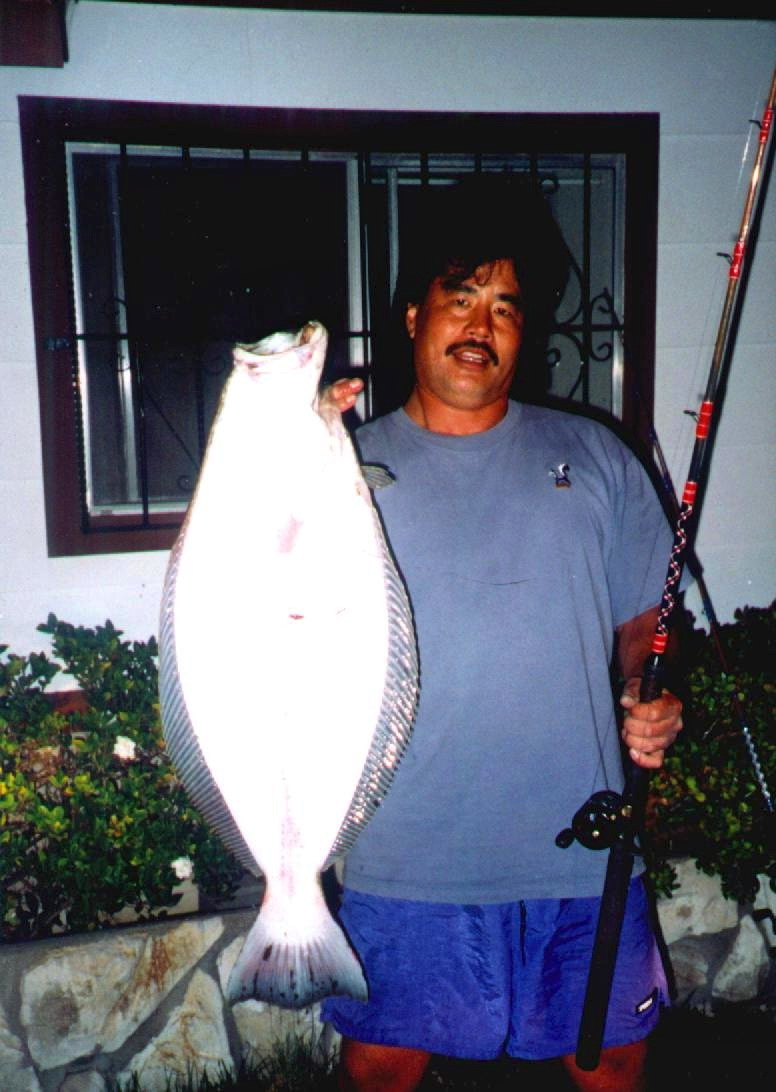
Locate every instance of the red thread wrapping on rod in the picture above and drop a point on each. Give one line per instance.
(704, 420)
(738, 261)
(765, 125)
(690, 490)
(659, 642)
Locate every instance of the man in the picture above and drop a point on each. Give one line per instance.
(529, 539)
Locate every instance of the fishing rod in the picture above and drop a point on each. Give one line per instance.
(609, 820)
(696, 570)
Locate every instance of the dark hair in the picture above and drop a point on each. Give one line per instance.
(478, 220)
(460, 226)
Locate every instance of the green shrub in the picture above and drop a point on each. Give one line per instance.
(92, 815)
(85, 832)
(706, 801)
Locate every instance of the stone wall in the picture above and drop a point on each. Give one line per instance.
(78, 1014)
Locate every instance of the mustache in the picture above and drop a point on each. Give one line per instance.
(472, 343)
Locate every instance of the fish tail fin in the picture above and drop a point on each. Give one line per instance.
(294, 968)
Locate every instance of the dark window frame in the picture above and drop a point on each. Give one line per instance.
(47, 123)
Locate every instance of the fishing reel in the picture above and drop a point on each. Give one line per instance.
(603, 820)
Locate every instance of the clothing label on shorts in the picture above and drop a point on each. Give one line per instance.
(646, 1004)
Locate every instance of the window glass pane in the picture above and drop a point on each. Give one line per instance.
(179, 257)
(100, 306)
(585, 347)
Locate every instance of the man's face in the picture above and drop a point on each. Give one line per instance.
(467, 335)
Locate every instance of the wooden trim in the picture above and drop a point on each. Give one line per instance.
(33, 33)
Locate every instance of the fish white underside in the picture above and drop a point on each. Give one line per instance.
(284, 629)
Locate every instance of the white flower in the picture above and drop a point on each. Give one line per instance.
(124, 748)
(183, 867)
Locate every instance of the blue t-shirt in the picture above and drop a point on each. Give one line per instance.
(517, 580)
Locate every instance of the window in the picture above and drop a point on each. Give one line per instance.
(160, 235)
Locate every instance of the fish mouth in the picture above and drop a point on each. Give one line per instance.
(473, 352)
(284, 351)
(310, 333)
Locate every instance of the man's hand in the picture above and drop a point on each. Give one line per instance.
(341, 396)
(649, 727)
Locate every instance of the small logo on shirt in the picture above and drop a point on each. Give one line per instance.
(561, 475)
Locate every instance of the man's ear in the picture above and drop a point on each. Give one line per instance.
(410, 318)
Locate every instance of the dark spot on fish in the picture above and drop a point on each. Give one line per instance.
(267, 952)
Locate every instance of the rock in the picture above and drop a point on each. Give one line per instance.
(690, 966)
(696, 907)
(227, 959)
(15, 1073)
(194, 1041)
(764, 913)
(86, 1081)
(261, 1027)
(81, 997)
(164, 961)
(740, 976)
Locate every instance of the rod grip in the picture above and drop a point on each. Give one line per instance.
(652, 678)
(615, 893)
(599, 984)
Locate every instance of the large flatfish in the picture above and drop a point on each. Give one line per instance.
(288, 667)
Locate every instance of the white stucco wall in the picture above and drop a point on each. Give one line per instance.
(706, 78)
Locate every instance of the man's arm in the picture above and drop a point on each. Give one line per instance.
(648, 727)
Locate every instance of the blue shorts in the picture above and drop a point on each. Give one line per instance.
(478, 981)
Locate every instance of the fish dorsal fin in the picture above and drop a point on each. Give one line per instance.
(397, 713)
